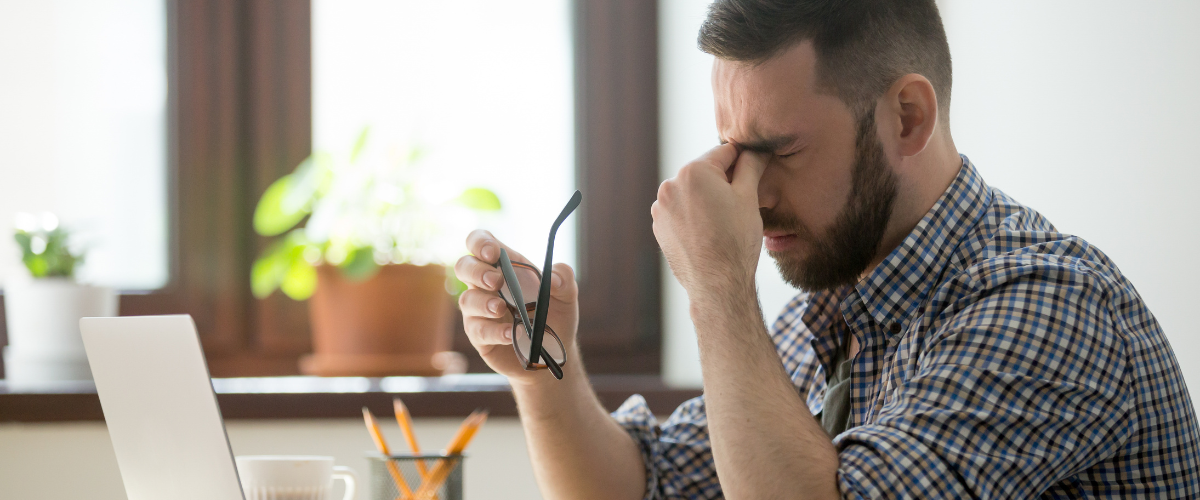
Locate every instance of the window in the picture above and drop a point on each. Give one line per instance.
(240, 107)
(83, 133)
(556, 93)
(483, 88)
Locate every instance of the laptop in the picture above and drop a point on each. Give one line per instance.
(161, 411)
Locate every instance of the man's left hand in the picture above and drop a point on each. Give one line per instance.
(707, 221)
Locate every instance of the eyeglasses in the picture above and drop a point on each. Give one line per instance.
(523, 280)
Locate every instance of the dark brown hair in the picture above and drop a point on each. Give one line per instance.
(862, 46)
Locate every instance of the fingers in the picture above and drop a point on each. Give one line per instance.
(721, 157)
(485, 332)
(477, 273)
(714, 163)
(485, 318)
(478, 269)
(748, 171)
(483, 245)
(562, 283)
(477, 302)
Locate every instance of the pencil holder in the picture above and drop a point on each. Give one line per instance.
(382, 485)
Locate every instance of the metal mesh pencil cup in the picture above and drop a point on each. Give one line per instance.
(381, 486)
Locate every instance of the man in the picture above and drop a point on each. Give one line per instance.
(950, 342)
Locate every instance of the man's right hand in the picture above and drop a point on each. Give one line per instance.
(486, 319)
(577, 449)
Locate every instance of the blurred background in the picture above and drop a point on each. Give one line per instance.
(154, 128)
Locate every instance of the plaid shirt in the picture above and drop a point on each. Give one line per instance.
(1000, 358)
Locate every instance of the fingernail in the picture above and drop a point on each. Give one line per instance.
(556, 281)
(508, 333)
(491, 279)
(494, 306)
(489, 253)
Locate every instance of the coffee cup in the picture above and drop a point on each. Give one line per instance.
(292, 477)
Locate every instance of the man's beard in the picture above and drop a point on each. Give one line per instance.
(850, 244)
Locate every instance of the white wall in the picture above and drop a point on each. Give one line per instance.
(61, 461)
(1084, 110)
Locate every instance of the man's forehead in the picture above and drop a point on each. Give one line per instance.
(766, 100)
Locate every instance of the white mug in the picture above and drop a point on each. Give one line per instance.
(292, 477)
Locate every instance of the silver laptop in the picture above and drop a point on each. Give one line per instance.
(160, 408)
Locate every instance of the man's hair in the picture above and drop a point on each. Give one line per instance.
(862, 46)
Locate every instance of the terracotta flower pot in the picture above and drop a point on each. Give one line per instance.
(395, 323)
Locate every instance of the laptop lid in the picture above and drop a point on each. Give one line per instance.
(158, 402)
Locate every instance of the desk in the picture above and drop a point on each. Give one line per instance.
(58, 427)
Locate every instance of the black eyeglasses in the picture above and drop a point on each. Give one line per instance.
(527, 336)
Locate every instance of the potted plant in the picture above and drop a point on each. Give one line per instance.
(42, 310)
(366, 241)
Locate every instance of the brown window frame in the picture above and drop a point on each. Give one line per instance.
(240, 116)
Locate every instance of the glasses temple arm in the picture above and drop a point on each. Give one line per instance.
(510, 277)
(543, 303)
(551, 364)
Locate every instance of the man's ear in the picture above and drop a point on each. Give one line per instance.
(907, 115)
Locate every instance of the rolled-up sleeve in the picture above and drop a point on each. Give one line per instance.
(677, 454)
(1017, 391)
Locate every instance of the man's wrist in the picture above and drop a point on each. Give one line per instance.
(542, 396)
(542, 380)
(720, 303)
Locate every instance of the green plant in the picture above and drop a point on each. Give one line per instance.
(358, 212)
(44, 247)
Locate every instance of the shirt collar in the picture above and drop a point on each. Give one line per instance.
(894, 290)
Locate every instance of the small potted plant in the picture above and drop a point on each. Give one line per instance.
(42, 309)
(367, 241)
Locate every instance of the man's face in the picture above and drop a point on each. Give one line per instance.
(827, 193)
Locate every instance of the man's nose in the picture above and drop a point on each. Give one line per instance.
(768, 188)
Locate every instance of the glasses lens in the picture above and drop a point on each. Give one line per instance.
(529, 282)
(550, 343)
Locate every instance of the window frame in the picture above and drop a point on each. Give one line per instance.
(240, 116)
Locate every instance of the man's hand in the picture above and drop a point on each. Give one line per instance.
(707, 221)
(577, 449)
(486, 319)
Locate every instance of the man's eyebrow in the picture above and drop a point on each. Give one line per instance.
(767, 145)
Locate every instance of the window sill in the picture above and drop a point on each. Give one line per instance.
(341, 397)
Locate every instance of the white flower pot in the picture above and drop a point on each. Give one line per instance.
(44, 344)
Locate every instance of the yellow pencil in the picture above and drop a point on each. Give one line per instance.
(442, 470)
(406, 425)
(432, 483)
(445, 467)
(373, 428)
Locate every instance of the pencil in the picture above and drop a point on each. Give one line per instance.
(381, 445)
(455, 448)
(442, 470)
(443, 466)
(406, 425)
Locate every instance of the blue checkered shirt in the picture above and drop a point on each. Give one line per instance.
(1000, 358)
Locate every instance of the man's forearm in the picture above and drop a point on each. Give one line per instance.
(577, 449)
(766, 443)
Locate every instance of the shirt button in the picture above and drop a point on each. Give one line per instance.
(894, 327)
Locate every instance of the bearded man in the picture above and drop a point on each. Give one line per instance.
(948, 342)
